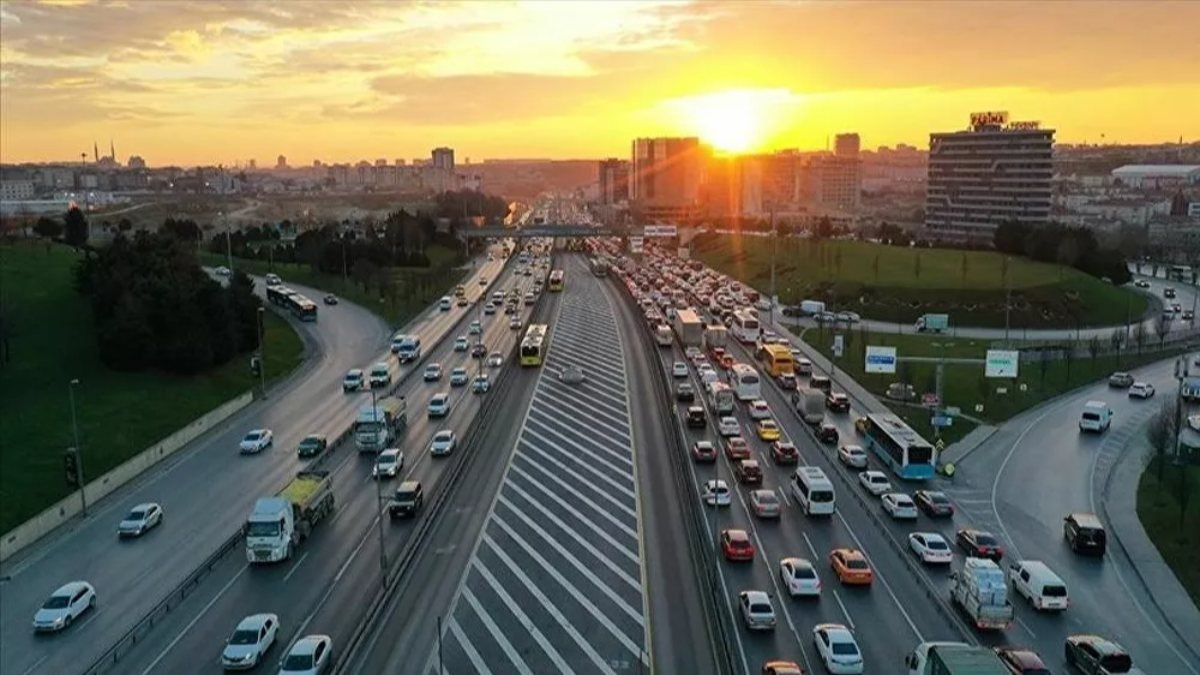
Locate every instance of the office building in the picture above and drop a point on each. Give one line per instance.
(281, 162)
(846, 145)
(443, 158)
(991, 173)
(614, 181)
(831, 184)
(665, 178)
(16, 190)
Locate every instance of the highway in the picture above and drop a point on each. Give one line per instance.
(325, 587)
(206, 491)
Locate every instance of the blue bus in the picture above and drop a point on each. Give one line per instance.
(902, 449)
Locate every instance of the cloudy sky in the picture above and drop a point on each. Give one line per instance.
(219, 82)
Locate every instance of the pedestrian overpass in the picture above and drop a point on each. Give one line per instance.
(565, 230)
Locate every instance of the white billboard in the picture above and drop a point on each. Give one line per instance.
(635, 244)
(659, 231)
(880, 359)
(1002, 363)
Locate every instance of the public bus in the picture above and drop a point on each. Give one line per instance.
(302, 308)
(745, 382)
(556, 281)
(902, 449)
(777, 359)
(534, 344)
(279, 295)
(745, 326)
(720, 398)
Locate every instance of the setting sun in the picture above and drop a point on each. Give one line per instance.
(735, 121)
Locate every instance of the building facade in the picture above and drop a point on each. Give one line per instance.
(614, 181)
(443, 158)
(665, 178)
(994, 172)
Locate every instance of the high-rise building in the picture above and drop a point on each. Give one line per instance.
(991, 173)
(831, 183)
(665, 178)
(252, 164)
(281, 162)
(614, 181)
(443, 158)
(846, 145)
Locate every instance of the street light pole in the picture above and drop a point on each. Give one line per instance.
(379, 505)
(78, 448)
(262, 354)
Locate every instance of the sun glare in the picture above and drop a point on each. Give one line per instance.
(734, 121)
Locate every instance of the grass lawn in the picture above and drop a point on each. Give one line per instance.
(1177, 539)
(416, 287)
(120, 414)
(888, 282)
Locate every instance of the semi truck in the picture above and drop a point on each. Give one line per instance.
(689, 329)
(810, 403)
(953, 658)
(379, 423)
(278, 524)
(979, 588)
(715, 335)
(933, 323)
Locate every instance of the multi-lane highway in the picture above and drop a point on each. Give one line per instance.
(206, 491)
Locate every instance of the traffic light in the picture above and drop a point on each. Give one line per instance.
(71, 466)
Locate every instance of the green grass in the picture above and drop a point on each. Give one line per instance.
(416, 287)
(843, 274)
(120, 414)
(1177, 539)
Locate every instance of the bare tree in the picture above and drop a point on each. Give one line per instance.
(1162, 430)
(1161, 326)
(1116, 341)
(1094, 345)
(1140, 335)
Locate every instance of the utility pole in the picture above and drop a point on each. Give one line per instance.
(262, 354)
(78, 448)
(228, 246)
(343, 259)
(774, 245)
(383, 565)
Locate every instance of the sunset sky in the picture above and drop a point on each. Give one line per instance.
(220, 82)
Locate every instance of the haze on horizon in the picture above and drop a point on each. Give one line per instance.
(219, 82)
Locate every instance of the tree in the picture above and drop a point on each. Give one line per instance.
(1139, 335)
(875, 267)
(965, 266)
(1183, 494)
(1162, 430)
(917, 266)
(364, 272)
(1094, 345)
(124, 225)
(1116, 341)
(1066, 255)
(48, 228)
(76, 227)
(1162, 327)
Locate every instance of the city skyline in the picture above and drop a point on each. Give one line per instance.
(205, 83)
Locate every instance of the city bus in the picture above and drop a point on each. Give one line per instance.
(302, 308)
(745, 382)
(556, 281)
(279, 295)
(777, 359)
(534, 344)
(720, 398)
(745, 326)
(906, 453)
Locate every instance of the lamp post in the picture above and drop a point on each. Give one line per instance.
(262, 354)
(379, 504)
(78, 448)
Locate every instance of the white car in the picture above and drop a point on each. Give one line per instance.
(759, 410)
(140, 519)
(853, 456)
(389, 463)
(757, 611)
(728, 426)
(875, 482)
(679, 369)
(495, 360)
(458, 377)
(514, 323)
(899, 506)
(930, 547)
(443, 443)
(257, 441)
(461, 344)
(64, 606)
(481, 384)
(439, 405)
(1141, 390)
(799, 577)
(489, 308)
(708, 375)
(354, 380)
(837, 649)
(716, 493)
(250, 642)
(475, 328)
(433, 372)
(222, 271)
(310, 655)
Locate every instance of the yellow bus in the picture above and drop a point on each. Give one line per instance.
(777, 359)
(534, 344)
(557, 280)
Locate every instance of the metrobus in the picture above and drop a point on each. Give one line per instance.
(533, 345)
(720, 397)
(745, 326)
(902, 449)
(745, 382)
(556, 280)
(777, 359)
(303, 308)
(279, 295)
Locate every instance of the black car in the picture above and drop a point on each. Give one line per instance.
(1093, 655)
(331, 299)
(827, 433)
(933, 503)
(1084, 533)
(685, 393)
(820, 382)
(837, 402)
(695, 417)
(479, 351)
(313, 444)
(407, 500)
(979, 544)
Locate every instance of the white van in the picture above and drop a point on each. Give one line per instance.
(663, 335)
(1097, 416)
(445, 303)
(813, 491)
(1039, 584)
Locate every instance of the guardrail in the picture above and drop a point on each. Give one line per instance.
(175, 597)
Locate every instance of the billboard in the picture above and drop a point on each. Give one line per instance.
(980, 119)
(635, 244)
(660, 231)
(880, 359)
(1002, 363)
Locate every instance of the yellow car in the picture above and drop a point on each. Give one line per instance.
(860, 425)
(768, 430)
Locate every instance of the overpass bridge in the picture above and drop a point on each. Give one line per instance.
(564, 230)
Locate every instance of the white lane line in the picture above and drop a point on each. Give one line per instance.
(608, 562)
(35, 665)
(498, 635)
(812, 549)
(535, 591)
(601, 511)
(186, 629)
(531, 449)
(582, 399)
(295, 567)
(613, 451)
(566, 406)
(783, 495)
(590, 453)
(1027, 628)
(886, 585)
(845, 611)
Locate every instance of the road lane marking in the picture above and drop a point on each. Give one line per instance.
(886, 585)
(608, 562)
(599, 531)
(845, 612)
(163, 654)
(602, 512)
(36, 664)
(514, 657)
(295, 567)
(1026, 627)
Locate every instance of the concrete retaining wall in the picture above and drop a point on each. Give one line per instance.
(45, 522)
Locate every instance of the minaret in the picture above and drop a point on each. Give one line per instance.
(95, 152)
(112, 151)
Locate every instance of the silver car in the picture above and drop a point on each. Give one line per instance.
(250, 642)
(65, 605)
(140, 519)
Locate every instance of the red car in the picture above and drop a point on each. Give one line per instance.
(735, 544)
(784, 452)
(979, 544)
(786, 381)
(1022, 661)
(935, 504)
(737, 448)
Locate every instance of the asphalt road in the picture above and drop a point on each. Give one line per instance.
(328, 583)
(206, 491)
(1034, 471)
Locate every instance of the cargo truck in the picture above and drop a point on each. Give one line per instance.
(953, 658)
(980, 589)
(689, 328)
(278, 524)
(378, 425)
(933, 323)
(715, 335)
(810, 403)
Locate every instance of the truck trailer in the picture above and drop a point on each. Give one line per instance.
(810, 403)
(933, 323)
(953, 658)
(278, 524)
(689, 329)
(378, 425)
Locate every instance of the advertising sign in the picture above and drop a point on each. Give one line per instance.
(930, 400)
(635, 244)
(980, 119)
(880, 359)
(839, 345)
(941, 421)
(660, 231)
(1026, 126)
(1002, 363)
